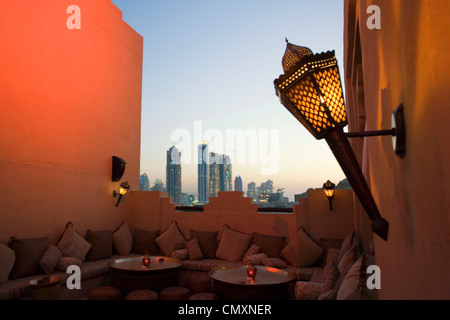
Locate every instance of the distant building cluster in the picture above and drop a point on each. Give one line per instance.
(214, 175)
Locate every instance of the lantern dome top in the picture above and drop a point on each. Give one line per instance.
(293, 55)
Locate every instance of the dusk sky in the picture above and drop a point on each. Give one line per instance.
(208, 74)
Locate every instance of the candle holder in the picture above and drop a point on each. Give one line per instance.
(145, 260)
(251, 271)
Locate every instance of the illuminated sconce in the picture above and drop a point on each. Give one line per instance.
(118, 168)
(123, 189)
(311, 90)
(328, 188)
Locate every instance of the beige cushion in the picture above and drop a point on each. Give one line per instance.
(7, 259)
(65, 262)
(254, 258)
(354, 281)
(28, 253)
(274, 262)
(181, 254)
(301, 251)
(123, 239)
(233, 244)
(346, 245)
(171, 239)
(194, 251)
(102, 244)
(50, 259)
(71, 237)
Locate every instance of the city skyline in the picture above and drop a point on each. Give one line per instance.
(214, 63)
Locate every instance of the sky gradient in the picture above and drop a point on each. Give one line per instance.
(208, 74)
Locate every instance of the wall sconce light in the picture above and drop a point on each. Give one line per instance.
(328, 188)
(123, 189)
(118, 168)
(311, 90)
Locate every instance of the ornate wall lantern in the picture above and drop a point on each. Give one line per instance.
(311, 90)
(123, 189)
(328, 188)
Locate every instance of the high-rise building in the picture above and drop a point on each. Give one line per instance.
(144, 184)
(225, 174)
(251, 191)
(214, 175)
(173, 174)
(203, 173)
(158, 186)
(238, 183)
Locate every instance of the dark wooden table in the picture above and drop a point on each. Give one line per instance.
(232, 283)
(129, 274)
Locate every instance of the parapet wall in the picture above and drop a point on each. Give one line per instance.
(153, 210)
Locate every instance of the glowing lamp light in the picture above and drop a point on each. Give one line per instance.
(328, 188)
(145, 260)
(311, 90)
(251, 271)
(123, 189)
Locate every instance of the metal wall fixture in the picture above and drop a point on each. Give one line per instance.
(311, 91)
(123, 189)
(328, 188)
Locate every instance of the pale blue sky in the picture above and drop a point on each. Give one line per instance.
(213, 63)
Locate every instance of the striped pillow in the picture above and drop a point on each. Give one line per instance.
(181, 254)
(254, 258)
(72, 251)
(274, 262)
(50, 258)
(65, 262)
(193, 248)
(71, 237)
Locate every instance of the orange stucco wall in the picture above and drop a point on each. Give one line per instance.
(70, 100)
(406, 61)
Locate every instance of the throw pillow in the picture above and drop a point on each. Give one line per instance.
(28, 253)
(354, 282)
(123, 239)
(144, 241)
(193, 248)
(8, 257)
(70, 236)
(274, 262)
(50, 259)
(328, 295)
(65, 262)
(270, 245)
(346, 245)
(301, 251)
(102, 244)
(170, 239)
(181, 254)
(233, 244)
(347, 260)
(254, 258)
(252, 250)
(207, 241)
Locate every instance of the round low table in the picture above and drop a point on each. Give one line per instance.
(129, 274)
(232, 283)
(46, 288)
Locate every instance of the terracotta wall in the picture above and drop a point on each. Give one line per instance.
(70, 100)
(153, 210)
(406, 61)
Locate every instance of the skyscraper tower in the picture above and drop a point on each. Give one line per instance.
(203, 173)
(225, 174)
(238, 183)
(214, 174)
(144, 183)
(173, 174)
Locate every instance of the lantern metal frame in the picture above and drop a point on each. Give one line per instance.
(123, 190)
(328, 188)
(311, 90)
